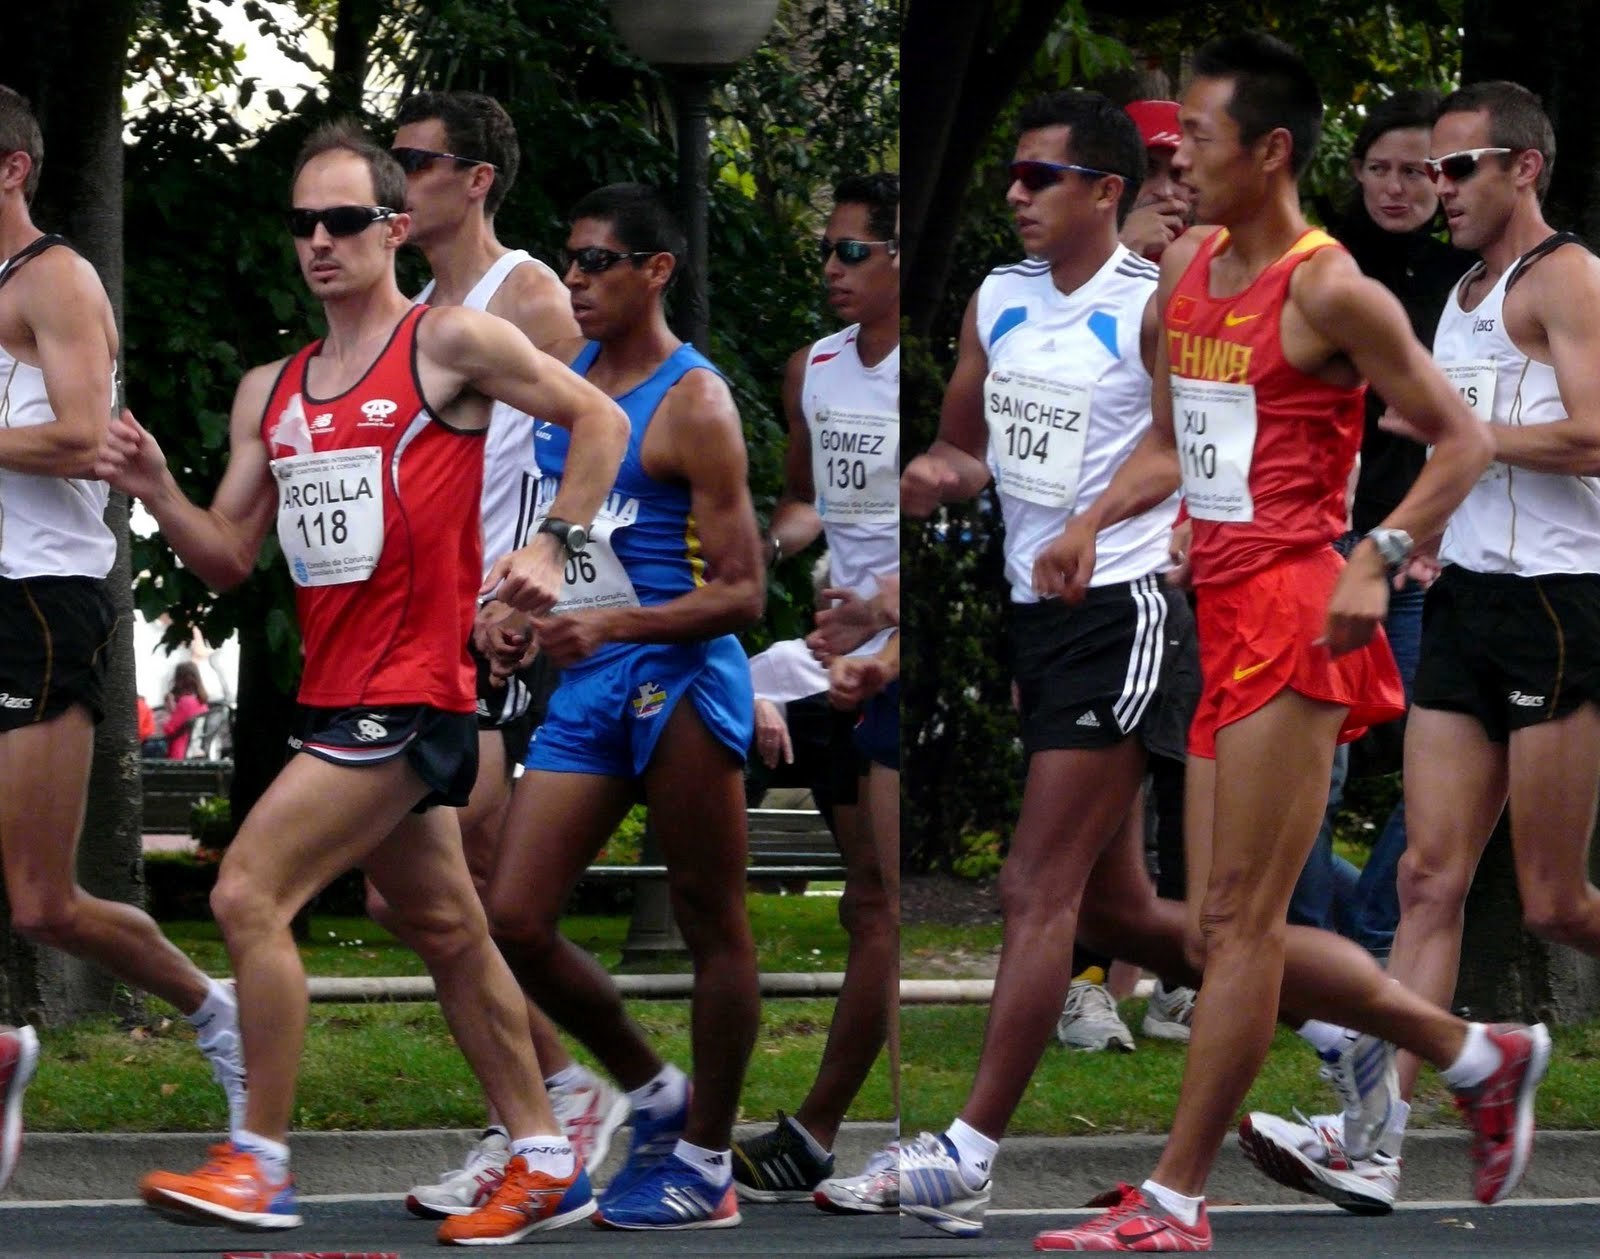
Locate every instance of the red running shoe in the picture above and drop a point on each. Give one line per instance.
(19, 1058)
(1500, 1109)
(1133, 1224)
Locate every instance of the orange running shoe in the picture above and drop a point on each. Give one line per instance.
(230, 1189)
(526, 1202)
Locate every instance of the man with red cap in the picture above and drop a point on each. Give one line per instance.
(1161, 211)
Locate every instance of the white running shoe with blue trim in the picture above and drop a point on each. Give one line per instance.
(933, 1189)
(1362, 1072)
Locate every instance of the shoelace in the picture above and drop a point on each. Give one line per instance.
(1130, 1204)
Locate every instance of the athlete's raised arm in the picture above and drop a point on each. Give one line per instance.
(219, 544)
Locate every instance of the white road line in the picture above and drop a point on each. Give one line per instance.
(1321, 1207)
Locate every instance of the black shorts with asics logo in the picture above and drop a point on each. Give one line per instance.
(1511, 651)
(55, 647)
(1087, 674)
(442, 747)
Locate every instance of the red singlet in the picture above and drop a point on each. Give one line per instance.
(378, 517)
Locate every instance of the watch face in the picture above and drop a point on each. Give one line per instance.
(577, 539)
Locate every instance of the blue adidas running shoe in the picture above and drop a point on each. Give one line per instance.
(652, 1140)
(670, 1195)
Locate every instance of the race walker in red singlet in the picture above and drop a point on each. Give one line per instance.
(1266, 452)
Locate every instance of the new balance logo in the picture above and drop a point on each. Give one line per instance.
(1089, 720)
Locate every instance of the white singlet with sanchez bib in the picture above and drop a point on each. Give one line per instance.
(853, 414)
(1067, 397)
(49, 526)
(1514, 520)
(510, 469)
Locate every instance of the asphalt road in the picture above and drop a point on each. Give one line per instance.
(1531, 1229)
(1526, 1229)
(381, 1225)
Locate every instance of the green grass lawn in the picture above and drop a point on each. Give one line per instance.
(394, 1065)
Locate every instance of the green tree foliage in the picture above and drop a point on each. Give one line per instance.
(212, 283)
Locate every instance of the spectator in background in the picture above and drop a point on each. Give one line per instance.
(186, 700)
(146, 718)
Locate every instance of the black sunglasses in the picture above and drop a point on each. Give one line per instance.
(340, 220)
(592, 259)
(1036, 175)
(413, 160)
(1458, 166)
(853, 252)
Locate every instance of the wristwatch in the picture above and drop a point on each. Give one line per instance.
(573, 538)
(1394, 547)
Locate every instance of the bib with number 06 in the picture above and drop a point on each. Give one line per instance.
(1037, 428)
(1474, 380)
(596, 578)
(330, 514)
(1215, 427)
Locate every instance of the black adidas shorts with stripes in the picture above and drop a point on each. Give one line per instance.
(55, 647)
(1088, 674)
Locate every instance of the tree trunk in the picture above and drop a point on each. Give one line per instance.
(68, 59)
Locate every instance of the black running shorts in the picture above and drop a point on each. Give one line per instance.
(1511, 651)
(442, 747)
(55, 645)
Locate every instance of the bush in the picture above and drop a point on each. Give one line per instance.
(211, 822)
(978, 856)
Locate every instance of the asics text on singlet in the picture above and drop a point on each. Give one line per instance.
(378, 519)
(1066, 398)
(1514, 520)
(1265, 449)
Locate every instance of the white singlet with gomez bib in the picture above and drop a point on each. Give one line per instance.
(1067, 397)
(49, 526)
(1514, 520)
(510, 468)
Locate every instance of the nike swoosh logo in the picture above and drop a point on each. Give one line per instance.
(1233, 321)
(1239, 675)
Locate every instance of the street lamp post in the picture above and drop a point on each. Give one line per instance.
(692, 42)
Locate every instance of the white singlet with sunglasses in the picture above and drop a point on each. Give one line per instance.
(1066, 398)
(1514, 520)
(510, 462)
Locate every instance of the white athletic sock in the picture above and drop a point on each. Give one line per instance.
(573, 1075)
(551, 1155)
(1479, 1059)
(271, 1156)
(1325, 1038)
(219, 1004)
(974, 1153)
(665, 1092)
(1185, 1210)
(714, 1166)
(1395, 1134)
(496, 1129)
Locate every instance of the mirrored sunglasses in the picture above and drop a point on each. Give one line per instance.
(1458, 166)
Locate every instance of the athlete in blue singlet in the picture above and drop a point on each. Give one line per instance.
(655, 696)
